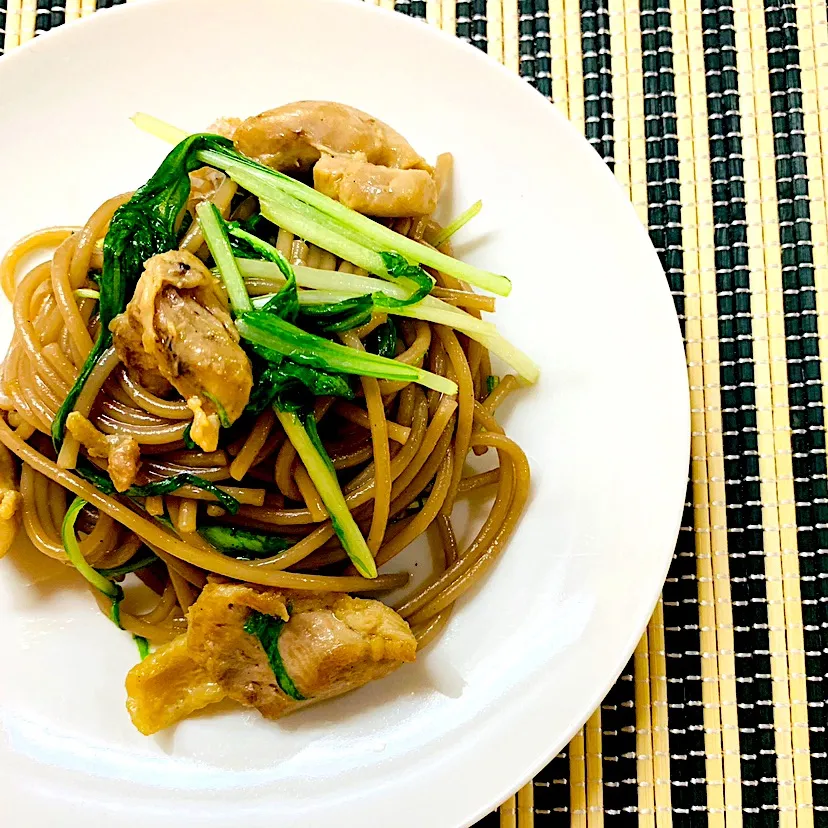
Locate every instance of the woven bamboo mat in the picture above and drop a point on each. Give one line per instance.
(714, 115)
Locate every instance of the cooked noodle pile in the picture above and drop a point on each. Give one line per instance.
(402, 450)
(399, 449)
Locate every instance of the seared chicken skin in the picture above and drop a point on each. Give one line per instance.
(177, 331)
(277, 650)
(355, 158)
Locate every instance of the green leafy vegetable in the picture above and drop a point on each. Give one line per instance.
(327, 286)
(132, 565)
(215, 234)
(461, 221)
(168, 485)
(265, 329)
(305, 440)
(277, 378)
(143, 646)
(244, 544)
(491, 383)
(189, 443)
(141, 228)
(73, 552)
(399, 267)
(382, 341)
(115, 612)
(342, 315)
(268, 628)
(346, 233)
(285, 303)
(96, 577)
(351, 313)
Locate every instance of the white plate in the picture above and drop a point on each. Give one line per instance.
(531, 653)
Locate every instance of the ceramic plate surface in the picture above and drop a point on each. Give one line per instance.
(528, 655)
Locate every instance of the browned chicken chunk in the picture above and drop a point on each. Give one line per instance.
(292, 138)
(168, 686)
(277, 650)
(355, 158)
(176, 329)
(121, 452)
(374, 190)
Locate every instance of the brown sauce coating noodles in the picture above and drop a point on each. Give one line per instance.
(400, 451)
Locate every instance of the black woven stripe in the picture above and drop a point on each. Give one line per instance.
(534, 45)
(470, 23)
(680, 596)
(738, 395)
(552, 791)
(413, 8)
(50, 15)
(543, 49)
(685, 711)
(618, 735)
(804, 380)
(618, 749)
(526, 39)
(597, 70)
(3, 19)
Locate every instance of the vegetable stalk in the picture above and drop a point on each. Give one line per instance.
(303, 206)
(212, 228)
(279, 337)
(321, 472)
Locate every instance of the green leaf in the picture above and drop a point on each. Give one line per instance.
(244, 544)
(334, 317)
(268, 628)
(169, 485)
(285, 303)
(133, 565)
(142, 227)
(491, 383)
(265, 329)
(189, 443)
(399, 267)
(280, 376)
(382, 341)
(143, 646)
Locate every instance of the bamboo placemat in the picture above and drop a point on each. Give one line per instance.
(714, 116)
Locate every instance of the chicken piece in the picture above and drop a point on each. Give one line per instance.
(10, 501)
(204, 183)
(292, 138)
(121, 452)
(355, 158)
(226, 127)
(386, 192)
(177, 328)
(320, 644)
(168, 686)
(141, 366)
